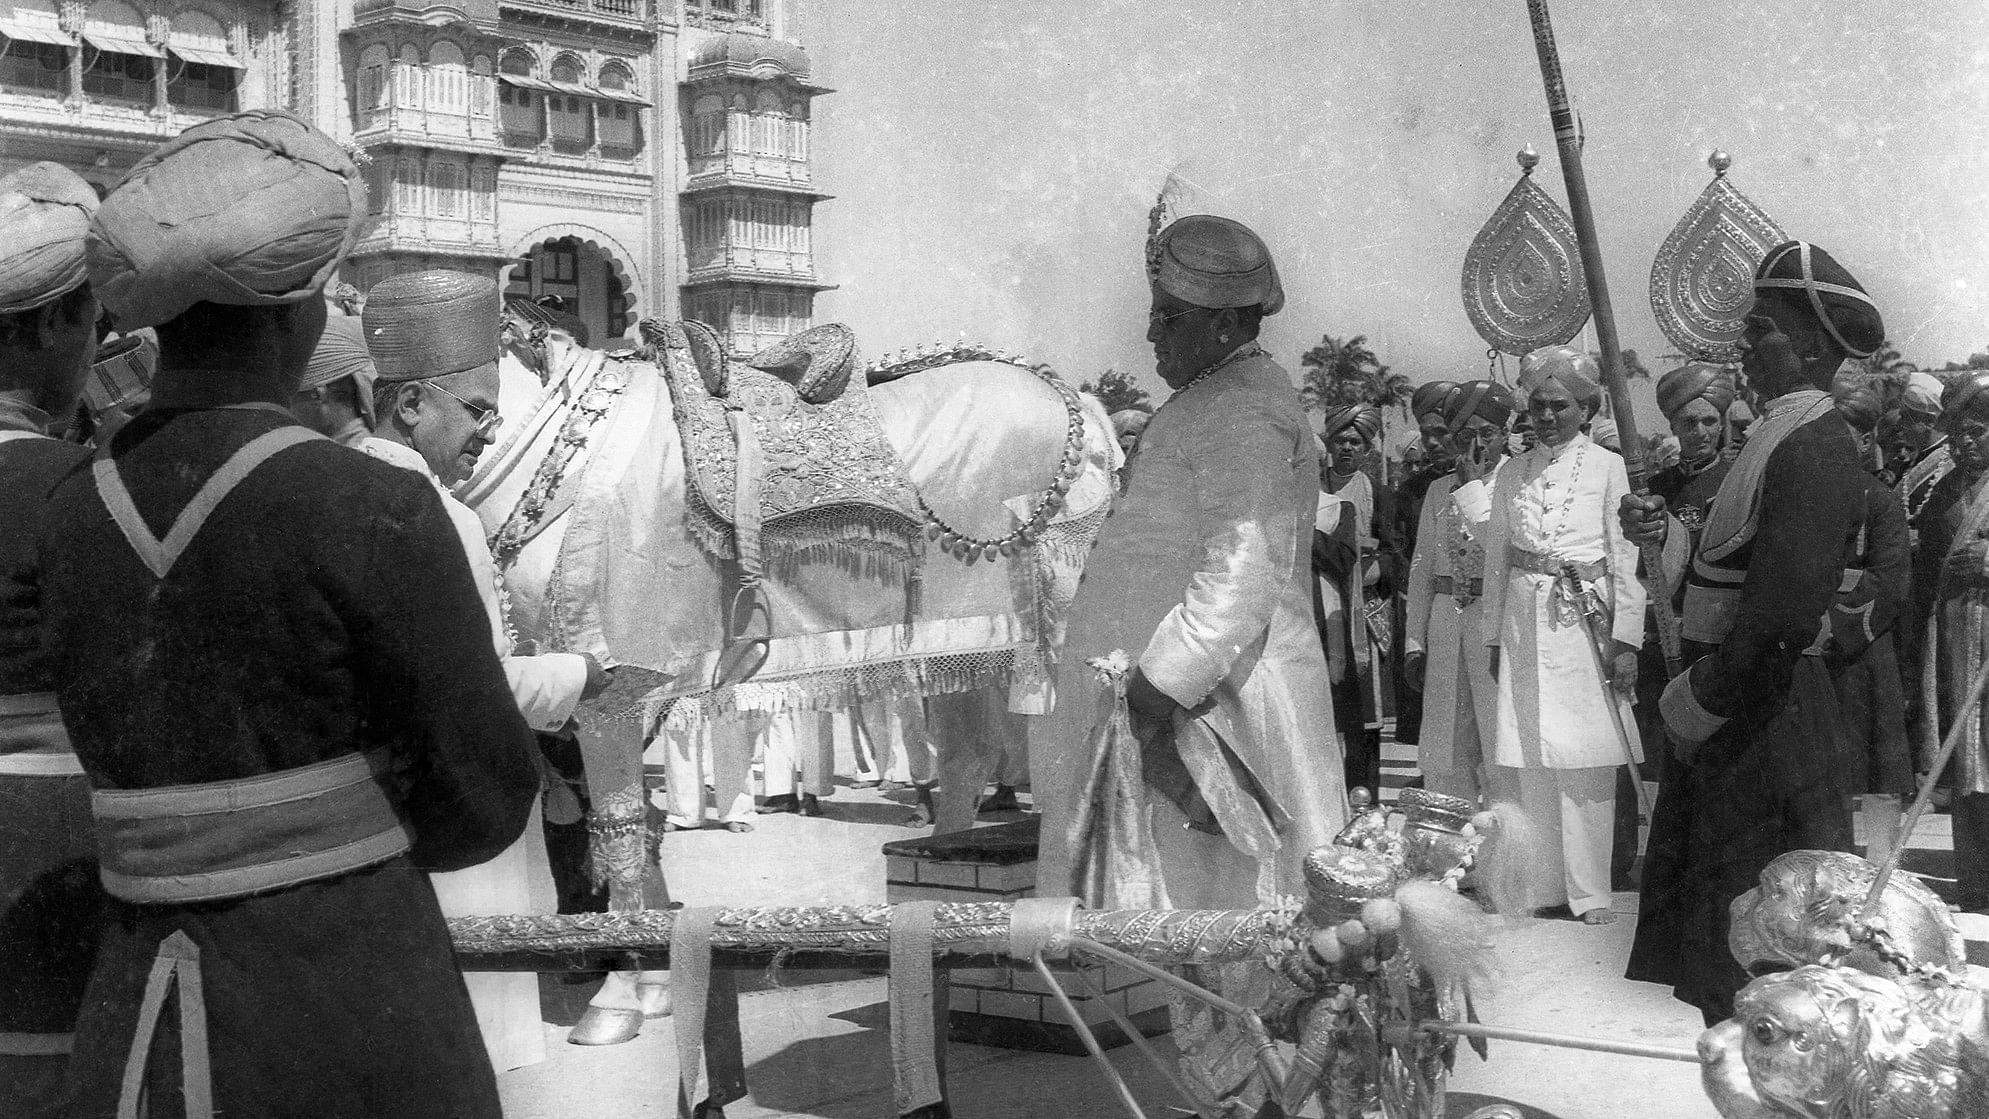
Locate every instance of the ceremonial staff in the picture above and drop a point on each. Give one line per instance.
(1568, 138)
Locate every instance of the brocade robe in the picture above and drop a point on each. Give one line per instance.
(1202, 578)
(324, 609)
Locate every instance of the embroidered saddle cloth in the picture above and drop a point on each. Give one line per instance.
(821, 483)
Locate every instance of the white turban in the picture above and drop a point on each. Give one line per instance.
(44, 216)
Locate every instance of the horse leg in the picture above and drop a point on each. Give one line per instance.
(612, 755)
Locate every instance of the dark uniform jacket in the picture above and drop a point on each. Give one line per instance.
(1766, 781)
(325, 608)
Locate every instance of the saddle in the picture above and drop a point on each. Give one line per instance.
(786, 463)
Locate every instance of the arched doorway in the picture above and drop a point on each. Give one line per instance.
(585, 277)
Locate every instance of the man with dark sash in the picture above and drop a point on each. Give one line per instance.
(49, 897)
(1426, 404)
(1753, 718)
(278, 675)
(1348, 435)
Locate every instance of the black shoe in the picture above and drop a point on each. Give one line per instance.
(783, 803)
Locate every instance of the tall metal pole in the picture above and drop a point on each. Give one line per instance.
(1567, 137)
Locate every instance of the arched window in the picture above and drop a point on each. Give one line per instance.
(516, 61)
(618, 120)
(448, 79)
(566, 68)
(480, 82)
(518, 109)
(204, 70)
(121, 61)
(407, 78)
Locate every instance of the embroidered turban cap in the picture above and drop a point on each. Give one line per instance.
(1688, 383)
(423, 325)
(1215, 262)
(255, 209)
(1963, 393)
(45, 211)
(1431, 396)
(1364, 418)
(1574, 370)
(1810, 277)
(1489, 399)
(1922, 394)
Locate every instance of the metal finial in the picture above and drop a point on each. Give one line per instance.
(1528, 159)
(1719, 161)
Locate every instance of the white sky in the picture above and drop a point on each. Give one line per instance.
(993, 163)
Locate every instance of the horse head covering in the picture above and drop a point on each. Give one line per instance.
(45, 214)
(1573, 369)
(1699, 380)
(423, 325)
(1364, 418)
(1215, 262)
(255, 209)
(1922, 394)
(1431, 396)
(1828, 289)
(1489, 399)
(1964, 393)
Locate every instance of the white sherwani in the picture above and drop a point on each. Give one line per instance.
(1557, 738)
(519, 880)
(1202, 576)
(1460, 697)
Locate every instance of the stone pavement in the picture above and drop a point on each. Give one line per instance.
(817, 1045)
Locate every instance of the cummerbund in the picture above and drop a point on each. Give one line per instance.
(1543, 563)
(1445, 584)
(33, 741)
(231, 839)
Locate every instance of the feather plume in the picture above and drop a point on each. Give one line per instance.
(1449, 937)
(1506, 859)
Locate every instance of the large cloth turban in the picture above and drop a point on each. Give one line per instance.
(1861, 406)
(254, 210)
(1922, 394)
(1430, 397)
(423, 325)
(1697, 381)
(1833, 296)
(44, 219)
(1965, 393)
(341, 352)
(1571, 368)
(1215, 262)
(1489, 399)
(1364, 418)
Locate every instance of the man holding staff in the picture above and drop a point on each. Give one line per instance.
(1753, 719)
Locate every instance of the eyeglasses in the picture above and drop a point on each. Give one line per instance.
(487, 418)
(1158, 318)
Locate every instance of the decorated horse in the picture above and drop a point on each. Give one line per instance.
(742, 541)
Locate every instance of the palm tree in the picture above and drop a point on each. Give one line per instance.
(1346, 371)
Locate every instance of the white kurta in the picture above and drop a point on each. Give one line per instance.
(1202, 577)
(519, 880)
(1460, 697)
(1558, 501)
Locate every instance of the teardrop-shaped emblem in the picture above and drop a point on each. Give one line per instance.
(1704, 273)
(1523, 282)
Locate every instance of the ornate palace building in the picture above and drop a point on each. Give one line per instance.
(633, 159)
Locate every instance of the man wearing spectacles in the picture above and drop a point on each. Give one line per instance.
(434, 340)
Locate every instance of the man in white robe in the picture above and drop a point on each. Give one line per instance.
(1201, 578)
(434, 341)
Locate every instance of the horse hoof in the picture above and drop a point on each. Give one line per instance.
(605, 1026)
(810, 805)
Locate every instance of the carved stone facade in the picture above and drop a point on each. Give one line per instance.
(554, 143)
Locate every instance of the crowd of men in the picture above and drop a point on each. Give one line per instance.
(264, 723)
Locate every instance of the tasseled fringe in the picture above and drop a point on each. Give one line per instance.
(840, 688)
(1504, 863)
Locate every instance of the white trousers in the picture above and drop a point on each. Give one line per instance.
(718, 754)
(1577, 807)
